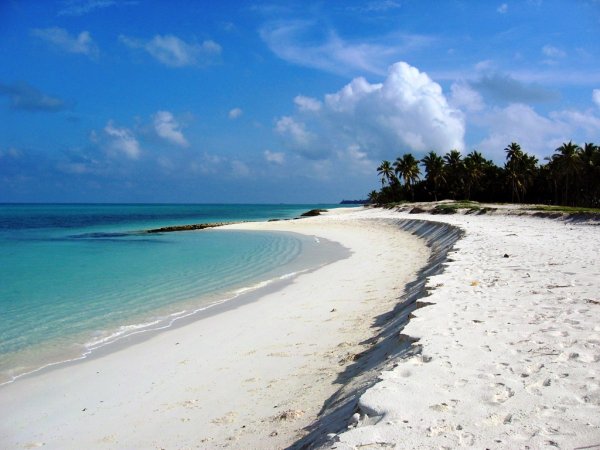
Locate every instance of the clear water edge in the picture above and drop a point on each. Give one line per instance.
(184, 304)
(81, 352)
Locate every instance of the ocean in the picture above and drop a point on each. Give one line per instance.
(74, 278)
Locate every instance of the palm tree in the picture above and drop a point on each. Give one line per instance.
(474, 165)
(373, 195)
(590, 180)
(514, 158)
(407, 168)
(434, 171)
(454, 169)
(386, 172)
(513, 151)
(520, 169)
(568, 164)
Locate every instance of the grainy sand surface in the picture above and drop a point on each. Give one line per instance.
(510, 347)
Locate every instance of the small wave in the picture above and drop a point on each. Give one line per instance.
(123, 330)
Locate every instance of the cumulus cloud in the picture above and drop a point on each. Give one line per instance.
(464, 97)
(407, 112)
(274, 157)
(519, 123)
(596, 97)
(122, 141)
(296, 130)
(235, 113)
(63, 40)
(585, 122)
(293, 41)
(23, 96)
(173, 51)
(169, 129)
(537, 134)
(307, 103)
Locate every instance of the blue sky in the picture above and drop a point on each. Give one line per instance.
(198, 101)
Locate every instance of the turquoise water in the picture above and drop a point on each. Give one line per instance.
(77, 277)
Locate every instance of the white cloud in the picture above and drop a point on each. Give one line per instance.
(553, 52)
(292, 41)
(485, 65)
(169, 129)
(518, 123)
(464, 97)
(174, 52)
(536, 133)
(307, 103)
(407, 112)
(207, 164)
(122, 141)
(77, 168)
(288, 126)
(503, 8)
(81, 7)
(235, 113)
(585, 122)
(274, 157)
(596, 97)
(60, 38)
(356, 160)
(377, 6)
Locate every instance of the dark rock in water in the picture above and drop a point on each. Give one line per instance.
(197, 226)
(274, 220)
(506, 255)
(417, 210)
(313, 212)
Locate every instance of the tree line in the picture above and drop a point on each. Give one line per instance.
(570, 177)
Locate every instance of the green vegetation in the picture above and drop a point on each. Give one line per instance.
(566, 209)
(570, 177)
(451, 208)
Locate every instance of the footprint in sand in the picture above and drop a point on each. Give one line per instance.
(227, 418)
(503, 393)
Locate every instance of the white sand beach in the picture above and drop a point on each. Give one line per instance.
(503, 353)
(510, 345)
(248, 377)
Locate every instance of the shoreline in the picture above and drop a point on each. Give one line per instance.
(502, 350)
(271, 352)
(235, 298)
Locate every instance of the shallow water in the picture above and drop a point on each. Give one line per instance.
(76, 277)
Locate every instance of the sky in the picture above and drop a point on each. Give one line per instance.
(280, 102)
